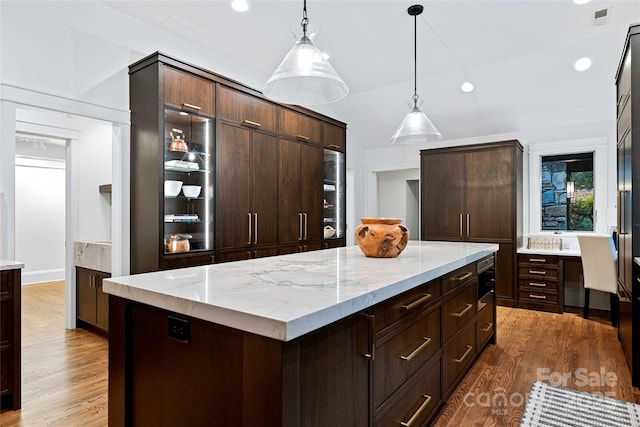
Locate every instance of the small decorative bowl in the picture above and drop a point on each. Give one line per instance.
(191, 191)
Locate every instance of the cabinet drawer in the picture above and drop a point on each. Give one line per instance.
(457, 355)
(458, 311)
(408, 303)
(538, 296)
(415, 403)
(485, 326)
(533, 271)
(300, 127)
(458, 277)
(403, 352)
(539, 285)
(247, 110)
(550, 260)
(334, 137)
(186, 91)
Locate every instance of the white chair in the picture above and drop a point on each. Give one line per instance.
(599, 267)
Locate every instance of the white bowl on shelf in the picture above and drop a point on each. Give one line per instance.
(172, 188)
(191, 191)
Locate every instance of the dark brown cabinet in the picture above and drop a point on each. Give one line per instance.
(10, 340)
(539, 283)
(253, 170)
(474, 193)
(92, 306)
(301, 183)
(628, 155)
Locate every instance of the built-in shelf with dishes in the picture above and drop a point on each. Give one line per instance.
(188, 182)
(334, 195)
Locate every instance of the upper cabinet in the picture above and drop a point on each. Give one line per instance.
(219, 173)
(189, 93)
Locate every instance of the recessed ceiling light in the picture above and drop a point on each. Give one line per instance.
(240, 5)
(581, 1)
(466, 87)
(582, 64)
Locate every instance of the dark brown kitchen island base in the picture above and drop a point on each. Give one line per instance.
(396, 362)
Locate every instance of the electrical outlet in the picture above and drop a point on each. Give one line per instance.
(179, 329)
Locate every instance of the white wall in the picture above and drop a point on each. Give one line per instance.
(393, 197)
(40, 220)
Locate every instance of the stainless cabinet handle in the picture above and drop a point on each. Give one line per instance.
(306, 225)
(255, 228)
(251, 124)
(303, 138)
(415, 352)
(463, 276)
(416, 303)
(193, 107)
(300, 226)
(464, 356)
(334, 146)
(468, 235)
(537, 272)
(418, 411)
(460, 314)
(539, 285)
(249, 242)
(537, 260)
(461, 235)
(538, 296)
(370, 354)
(488, 328)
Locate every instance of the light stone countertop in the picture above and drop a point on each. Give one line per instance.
(94, 255)
(9, 264)
(561, 252)
(287, 296)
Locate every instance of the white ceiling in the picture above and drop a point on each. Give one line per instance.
(519, 54)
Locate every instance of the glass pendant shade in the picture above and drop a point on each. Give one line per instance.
(305, 77)
(415, 128)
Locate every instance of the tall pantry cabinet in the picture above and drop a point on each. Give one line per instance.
(628, 156)
(219, 173)
(474, 193)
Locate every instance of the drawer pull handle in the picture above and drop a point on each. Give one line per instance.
(537, 272)
(464, 276)
(539, 285)
(460, 314)
(193, 107)
(537, 260)
(464, 356)
(538, 296)
(417, 413)
(416, 303)
(334, 146)
(488, 328)
(302, 137)
(252, 124)
(421, 347)
(249, 214)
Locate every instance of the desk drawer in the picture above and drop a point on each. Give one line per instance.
(534, 271)
(550, 260)
(459, 310)
(401, 354)
(406, 304)
(538, 285)
(530, 295)
(415, 403)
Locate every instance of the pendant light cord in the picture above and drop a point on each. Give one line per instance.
(305, 20)
(415, 60)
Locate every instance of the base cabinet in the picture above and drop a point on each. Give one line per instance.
(388, 365)
(10, 340)
(92, 303)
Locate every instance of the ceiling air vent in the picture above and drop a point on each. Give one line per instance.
(601, 17)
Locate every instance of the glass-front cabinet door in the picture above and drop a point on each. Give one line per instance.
(188, 182)
(334, 195)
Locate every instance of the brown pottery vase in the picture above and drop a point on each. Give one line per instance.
(382, 237)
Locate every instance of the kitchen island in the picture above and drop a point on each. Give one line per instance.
(298, 340)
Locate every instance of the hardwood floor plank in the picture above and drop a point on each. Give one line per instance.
(65, 371)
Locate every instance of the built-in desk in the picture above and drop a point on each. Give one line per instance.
(542, 278)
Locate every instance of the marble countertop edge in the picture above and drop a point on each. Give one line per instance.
(9, 264)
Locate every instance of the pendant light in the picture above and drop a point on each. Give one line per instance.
(416, 126)
(304, 76)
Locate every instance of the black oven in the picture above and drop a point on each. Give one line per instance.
(486, 281)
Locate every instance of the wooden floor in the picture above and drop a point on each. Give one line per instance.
(65, 371)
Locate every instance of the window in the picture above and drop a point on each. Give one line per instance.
(567, 192)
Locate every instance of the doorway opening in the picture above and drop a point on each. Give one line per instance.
(398, 194)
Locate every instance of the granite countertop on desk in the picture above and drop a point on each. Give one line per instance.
(284, 297)
(9, 264)
(560, 252)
